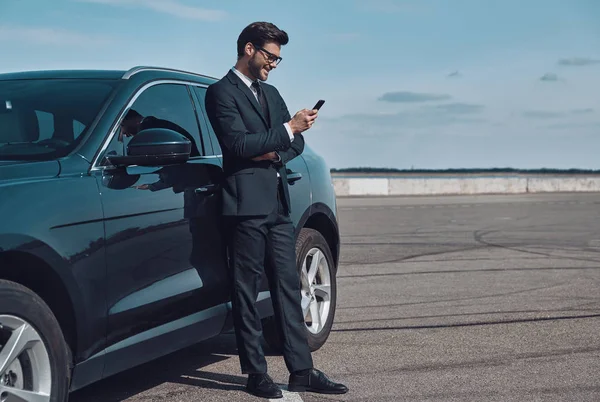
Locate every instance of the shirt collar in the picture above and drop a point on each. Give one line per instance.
(244, 78)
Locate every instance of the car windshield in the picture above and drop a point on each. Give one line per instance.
(42, 119)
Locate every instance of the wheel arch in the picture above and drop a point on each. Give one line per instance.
(322, 219)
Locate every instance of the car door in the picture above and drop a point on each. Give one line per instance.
(167, 282)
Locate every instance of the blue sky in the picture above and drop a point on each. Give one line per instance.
(407, 83)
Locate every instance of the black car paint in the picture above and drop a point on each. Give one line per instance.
(136, 273)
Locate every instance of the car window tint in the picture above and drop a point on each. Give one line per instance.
(201, 93)
(160, 106)
(37, 117)
(78, 128)
(45, 124)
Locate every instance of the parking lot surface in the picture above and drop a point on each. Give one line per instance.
(462, 298)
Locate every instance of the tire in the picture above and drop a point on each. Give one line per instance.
(48, 372)
(309, 241)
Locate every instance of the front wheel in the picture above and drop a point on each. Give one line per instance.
(33, 353)
(318, 289)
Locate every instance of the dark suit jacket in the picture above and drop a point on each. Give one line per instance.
(249, 187)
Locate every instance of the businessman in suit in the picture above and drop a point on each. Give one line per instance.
(258, 137)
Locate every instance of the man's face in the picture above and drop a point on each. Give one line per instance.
(129, 128)
(264, 60)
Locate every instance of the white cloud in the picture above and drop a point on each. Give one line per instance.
(50, 36)
(171, 7)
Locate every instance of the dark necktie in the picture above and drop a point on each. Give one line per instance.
(262, 100)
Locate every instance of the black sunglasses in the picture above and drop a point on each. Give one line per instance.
(271, 58)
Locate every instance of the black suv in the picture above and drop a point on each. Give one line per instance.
(111, 252)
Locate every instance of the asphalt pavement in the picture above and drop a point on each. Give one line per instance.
(458, 298)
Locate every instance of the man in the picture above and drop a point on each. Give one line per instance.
(134, 122)
(258, 137)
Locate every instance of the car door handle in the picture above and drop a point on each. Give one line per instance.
(207, 189)
(293, 177)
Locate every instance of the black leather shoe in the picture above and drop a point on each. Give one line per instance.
(262, 385)
(315, 381)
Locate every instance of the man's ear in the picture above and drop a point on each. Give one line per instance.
(249, 49)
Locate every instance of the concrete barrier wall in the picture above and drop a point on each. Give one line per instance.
(420, 185)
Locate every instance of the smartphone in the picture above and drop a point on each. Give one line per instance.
(319, 104)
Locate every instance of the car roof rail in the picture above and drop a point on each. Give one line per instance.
(138, 69)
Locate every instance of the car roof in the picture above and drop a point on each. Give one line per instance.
(145, 72)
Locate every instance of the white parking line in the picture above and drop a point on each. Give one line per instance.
(287, 395)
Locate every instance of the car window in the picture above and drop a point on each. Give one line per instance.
(201, 93)
(51, 126)
(46, 124)
(38, 117)
(78, 128)
(160, 106)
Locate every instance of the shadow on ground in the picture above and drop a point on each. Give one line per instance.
(182, 367)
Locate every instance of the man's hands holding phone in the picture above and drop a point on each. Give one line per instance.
(303, 120)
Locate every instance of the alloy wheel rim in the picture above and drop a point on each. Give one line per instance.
(25, 372)
(315, 282)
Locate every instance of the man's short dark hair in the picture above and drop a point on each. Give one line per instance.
(131, 114)
(259, 33)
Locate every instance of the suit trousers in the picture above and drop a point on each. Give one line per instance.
(261, 245)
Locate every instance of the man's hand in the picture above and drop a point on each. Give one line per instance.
(303, 120)
(270, 156)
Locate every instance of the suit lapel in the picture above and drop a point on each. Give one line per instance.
(246, 91)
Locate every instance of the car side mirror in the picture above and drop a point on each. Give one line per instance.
(154, 147)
